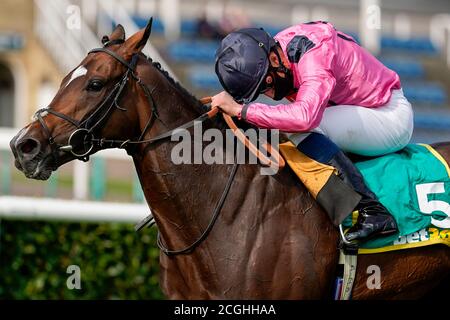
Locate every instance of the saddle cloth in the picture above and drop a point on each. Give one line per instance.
(414, 185)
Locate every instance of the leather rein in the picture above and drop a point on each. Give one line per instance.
(82, 140)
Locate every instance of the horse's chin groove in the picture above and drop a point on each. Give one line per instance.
(18, 165)
(40, 168)
(43, 175)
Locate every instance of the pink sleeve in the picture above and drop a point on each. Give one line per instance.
(316, 85)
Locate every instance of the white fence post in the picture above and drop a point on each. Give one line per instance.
(440, 34)
(80, 180)
(170, 14)
(402, 26)
(370, 25)
(300, 14)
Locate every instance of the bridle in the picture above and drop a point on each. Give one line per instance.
(83, 137)
(82, 140)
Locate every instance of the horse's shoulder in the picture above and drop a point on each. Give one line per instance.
(443, 148)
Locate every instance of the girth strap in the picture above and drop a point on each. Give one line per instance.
(348, 261)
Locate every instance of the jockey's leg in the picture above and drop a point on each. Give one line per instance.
(362, 131)
(370, 131)
(338, 186)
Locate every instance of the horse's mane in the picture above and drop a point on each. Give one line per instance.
(193, 99)
(199, 107)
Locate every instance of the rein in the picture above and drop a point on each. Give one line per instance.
(81, 142)
(263, 159)
(215, 214)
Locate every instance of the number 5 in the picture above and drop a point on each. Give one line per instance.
(428, 207)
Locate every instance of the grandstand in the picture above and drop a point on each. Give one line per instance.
(414, 56)
(408, 45)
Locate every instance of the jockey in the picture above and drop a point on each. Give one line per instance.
(341, 98)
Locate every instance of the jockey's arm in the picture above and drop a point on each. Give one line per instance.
(305, 113)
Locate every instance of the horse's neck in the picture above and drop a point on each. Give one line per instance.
(180, 196)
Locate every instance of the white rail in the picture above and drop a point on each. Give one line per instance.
(70, 210)
(80, 169)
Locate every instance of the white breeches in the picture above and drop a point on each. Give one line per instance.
(367, 131)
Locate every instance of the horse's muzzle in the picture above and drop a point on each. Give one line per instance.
(29, 156)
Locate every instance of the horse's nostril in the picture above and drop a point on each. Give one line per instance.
(28, 146)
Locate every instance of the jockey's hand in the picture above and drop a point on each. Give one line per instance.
(226, 103)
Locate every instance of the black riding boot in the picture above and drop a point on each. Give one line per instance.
(341, 194)
(373, 218)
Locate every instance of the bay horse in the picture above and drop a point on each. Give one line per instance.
(271, 240)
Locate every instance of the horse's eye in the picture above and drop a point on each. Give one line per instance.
(95, 85)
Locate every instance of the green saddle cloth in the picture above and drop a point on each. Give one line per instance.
(414, 185)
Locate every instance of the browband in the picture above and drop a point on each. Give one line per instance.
(115, 56)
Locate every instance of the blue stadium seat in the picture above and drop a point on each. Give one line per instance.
(414, 45)
(405, 68)
(431, 121)
(271, 29)
(426, 93)
(157, 26)
(188, 26)
(203, 78)
(193, 51)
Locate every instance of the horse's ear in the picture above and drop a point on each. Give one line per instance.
(147, 31)
(138, 40)
(118, 33)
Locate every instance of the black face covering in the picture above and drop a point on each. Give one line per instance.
(282, 86)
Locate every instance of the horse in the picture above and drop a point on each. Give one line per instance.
(250, 236)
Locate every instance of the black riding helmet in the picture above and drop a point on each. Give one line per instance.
(242, 61)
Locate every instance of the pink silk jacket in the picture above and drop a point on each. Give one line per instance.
(329, 68)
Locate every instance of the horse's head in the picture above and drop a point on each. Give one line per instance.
(93, 104)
